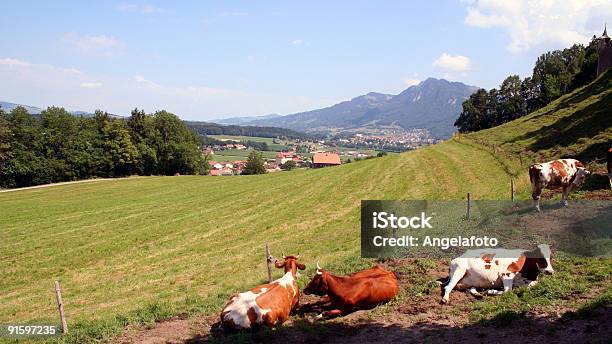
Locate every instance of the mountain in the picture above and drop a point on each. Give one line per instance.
(244, 120)
(7, 107)
(33, 110)
(433, 104)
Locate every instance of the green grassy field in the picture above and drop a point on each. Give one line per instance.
(238, 154)
(139, 249)
(118, 246)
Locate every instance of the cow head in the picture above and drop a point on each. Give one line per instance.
(289, 263)
(318, 284)
(538, 260)
(581, 174)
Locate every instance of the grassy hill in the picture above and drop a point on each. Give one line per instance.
(138, 249)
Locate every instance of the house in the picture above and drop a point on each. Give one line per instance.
(325, 159)
(222, 172)
(283, 157)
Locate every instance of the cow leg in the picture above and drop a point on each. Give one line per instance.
(566, 191)
(508, 282)
(475, 293)
(536, 197)
(309, 306)
(326, 315)
(456, 274)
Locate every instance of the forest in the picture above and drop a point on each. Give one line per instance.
(57, 146)
(555, 73)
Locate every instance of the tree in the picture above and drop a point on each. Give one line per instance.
(178, 148)
(118, 154)
(511, 105)
(288, 165)
(5, 143)
(142, 132)
(26, 165)
(255, 164)
(474, 112)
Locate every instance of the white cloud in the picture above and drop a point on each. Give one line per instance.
(541, 24)
(411, 81)
(100, 44)
(13, 62)
(137, 8)
(297, 42)
(455, 63)
(30, 83)
(90, 84)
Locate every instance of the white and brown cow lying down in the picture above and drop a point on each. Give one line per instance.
(267, 304)
(493, 269)
(567, 174)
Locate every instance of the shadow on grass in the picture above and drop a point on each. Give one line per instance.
(590, 325)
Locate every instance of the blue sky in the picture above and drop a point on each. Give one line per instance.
(211, 59)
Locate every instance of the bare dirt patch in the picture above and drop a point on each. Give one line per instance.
(413, 319)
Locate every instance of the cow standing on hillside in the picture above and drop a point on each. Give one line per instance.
(267, 304)
(346, 294)
(567, 174)
(609, 159)
(497, 268)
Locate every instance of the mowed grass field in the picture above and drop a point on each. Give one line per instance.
(182, 243)
(140, 249)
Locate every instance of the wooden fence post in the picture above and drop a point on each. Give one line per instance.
(60, 306)
(512, 189)
(268, 263)
(468, 205)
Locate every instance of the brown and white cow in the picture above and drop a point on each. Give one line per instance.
(609, 160)
(267, 304)
(567, 174)
(496, 268)
(358, 291)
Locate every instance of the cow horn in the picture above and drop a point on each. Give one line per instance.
(298, 256)
(283, 254)
(318, 267)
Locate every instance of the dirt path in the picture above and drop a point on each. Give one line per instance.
(62, 183)
(413, 319)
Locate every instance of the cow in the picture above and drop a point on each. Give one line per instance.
(497, 268)
(358, 291)
(609, 160)
(267, 304)
(567, 174)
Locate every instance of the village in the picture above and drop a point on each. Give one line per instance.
(229, 157)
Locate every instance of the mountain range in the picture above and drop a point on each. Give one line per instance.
(433, 104)
(33, 110)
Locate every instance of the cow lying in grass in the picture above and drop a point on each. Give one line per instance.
(497, 268)
(567, 174)
(346, 294)
(267, 304)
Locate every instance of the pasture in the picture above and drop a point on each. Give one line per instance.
(139, 249)
(147, 247)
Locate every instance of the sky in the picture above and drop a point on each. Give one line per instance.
(204, 60)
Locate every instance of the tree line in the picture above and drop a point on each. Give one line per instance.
(555, 73)
(57, 146)
(205, 128)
